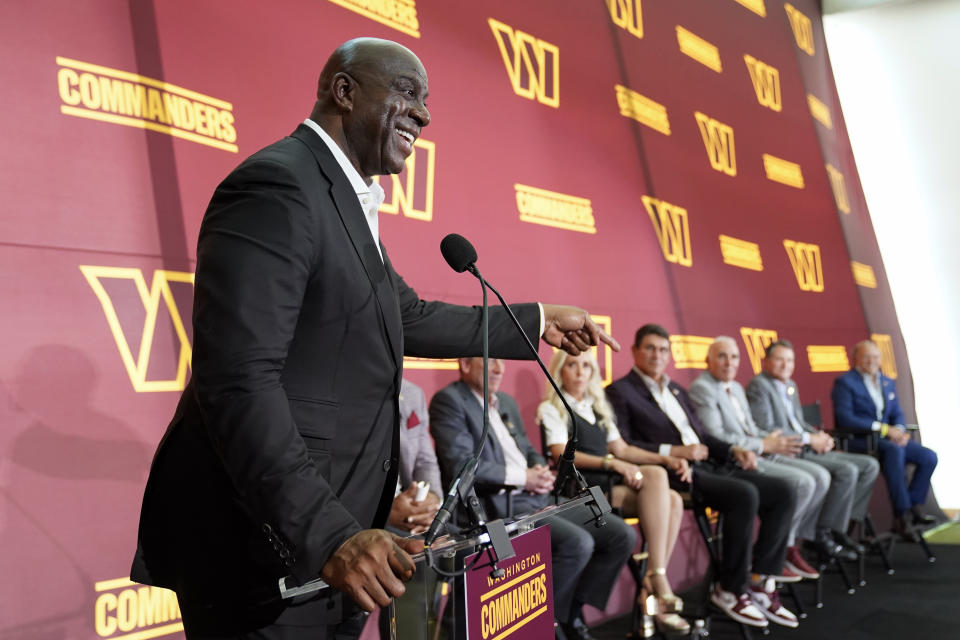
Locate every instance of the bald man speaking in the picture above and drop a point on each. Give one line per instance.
(281, 458)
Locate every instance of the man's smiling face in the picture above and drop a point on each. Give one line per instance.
(388, 113)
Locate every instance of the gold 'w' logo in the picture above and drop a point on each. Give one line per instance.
(411, 191)
(672, 228)
(839, 187)
(626, 15)
(532, 64)
(888, 363)
(137, 367)
(718, 141)
(757, 341)
(805, 260)
(802, 28)
(766, 82)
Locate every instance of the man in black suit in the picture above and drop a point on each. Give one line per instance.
(281, 459)
(655, 413)
(586, 560)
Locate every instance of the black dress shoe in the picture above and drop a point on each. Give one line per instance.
(848, 542)
(827, 547)
(576, 630)
(921, 518)
(902, 527)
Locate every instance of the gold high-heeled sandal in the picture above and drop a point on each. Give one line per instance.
(669, 603)
(663, 610)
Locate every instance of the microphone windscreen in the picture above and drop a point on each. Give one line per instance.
(458, 252)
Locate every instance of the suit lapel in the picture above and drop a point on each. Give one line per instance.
(353, 220)
(780, 412)
(861, 386)
(475, 411)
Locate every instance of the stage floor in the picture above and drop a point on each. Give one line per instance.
(921, 600)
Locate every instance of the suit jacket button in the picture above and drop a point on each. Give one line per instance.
(387, 464)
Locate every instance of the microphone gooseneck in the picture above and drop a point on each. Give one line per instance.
(565, 465)
(462, 256)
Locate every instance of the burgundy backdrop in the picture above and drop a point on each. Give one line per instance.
(654, 161)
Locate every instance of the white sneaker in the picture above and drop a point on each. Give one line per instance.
(767, 600)
(739, 608)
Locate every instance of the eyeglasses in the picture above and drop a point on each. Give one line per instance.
(649, 348)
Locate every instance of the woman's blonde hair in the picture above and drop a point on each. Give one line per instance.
(601, 406)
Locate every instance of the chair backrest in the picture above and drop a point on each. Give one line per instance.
(812, 415)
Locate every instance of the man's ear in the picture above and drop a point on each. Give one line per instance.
(343, 89)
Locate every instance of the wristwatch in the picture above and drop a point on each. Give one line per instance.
(607, 460)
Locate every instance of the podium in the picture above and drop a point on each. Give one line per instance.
(495, 582)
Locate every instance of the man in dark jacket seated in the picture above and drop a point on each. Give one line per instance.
(655, 413)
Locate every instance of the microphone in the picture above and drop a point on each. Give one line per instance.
(461, 256)
(465, 479)
(458, 252)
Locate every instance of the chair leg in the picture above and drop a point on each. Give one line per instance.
(792, 592)
(641, 626)
(846, 578)
(926, 548)
(818, 589)
(861, 580)
(885, 552)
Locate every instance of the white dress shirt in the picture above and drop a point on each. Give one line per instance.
(669, 404)
(370, 196)
(515, 462)
(872, 383)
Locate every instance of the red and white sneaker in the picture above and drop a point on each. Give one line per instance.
(739, 608)
(766, 598)
(798, 565)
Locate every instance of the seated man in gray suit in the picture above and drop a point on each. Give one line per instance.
(418, 463)
(775, 407)
(586, 560)
(723, 409)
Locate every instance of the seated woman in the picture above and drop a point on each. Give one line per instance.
(641, 491)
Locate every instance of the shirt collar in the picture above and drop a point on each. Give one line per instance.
(650, 382)
(586, 403)
(360, 187)
(494, 401)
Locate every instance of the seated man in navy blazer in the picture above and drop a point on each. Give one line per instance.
(865, 401)
(586, 559)
(655, 413)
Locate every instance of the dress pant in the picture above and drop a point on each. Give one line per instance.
(851, 484)
(741, 496)
(586, 559)
(893, 458)
(810, 483)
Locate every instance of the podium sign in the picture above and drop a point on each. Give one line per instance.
(499, 608)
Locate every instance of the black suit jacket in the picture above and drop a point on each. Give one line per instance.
(285, 441)
(456, 422)
(643, 423)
